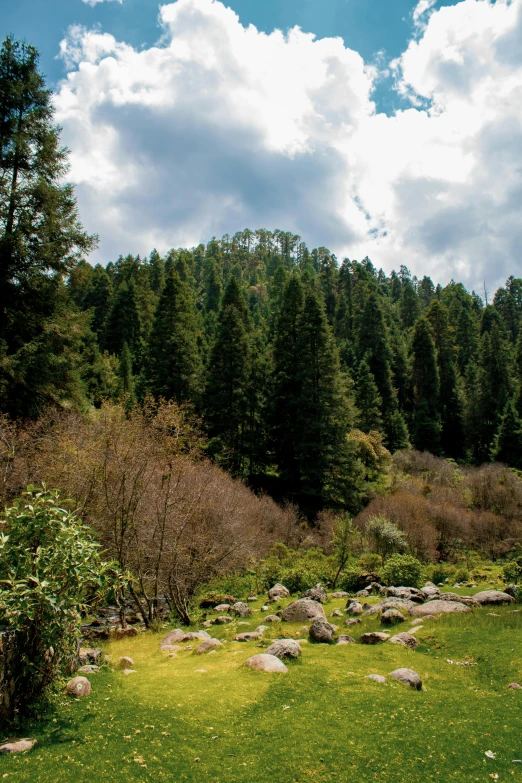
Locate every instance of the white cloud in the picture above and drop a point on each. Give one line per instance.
(92, 3)
(220, 127)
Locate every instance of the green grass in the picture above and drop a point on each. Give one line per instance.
(320, 722)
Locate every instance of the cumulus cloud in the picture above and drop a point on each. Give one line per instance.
(220, 126)
(92, 3)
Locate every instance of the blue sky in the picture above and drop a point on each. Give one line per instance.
(395, 132)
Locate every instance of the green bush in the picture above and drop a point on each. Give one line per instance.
(51, 572)
(402, 570)
(437, 573)
(513, 571)
(297, 569)
(461, 575)
(370, 562)
(350, 580)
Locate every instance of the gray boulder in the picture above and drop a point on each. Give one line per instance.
(408, 677)
(78, 686)
(239, 609)
(343, 639)
(362, 593)
(374, 637)
(125, 662)
(317, 593)
(89, 668)
(89, 655)
(493, 598)
(514, 686)
(249, 636)
(339, 594)
(392, 617)
(354, 608)
(284, 648)
(17, 746)
(265, 663)
(207, 645)
(222, 619)
(272, 618)
(405, 606)
(352, 621)
(406, 593)
(430, 591)
(173, 637)
(278, 591)
(302, 610)
(406, 639)
(439, 607)
(375, 677)
(222, 608)
(321, 631)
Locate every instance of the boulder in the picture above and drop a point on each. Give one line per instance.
(278, 591)
(321, 630)
(439, 607)
(302, 610)
(89, 668)
(401, 604)
(493, 598)
(469, 600)
(125, 662)
(317, 593)
(430, 591)
(512, 590)
(374, 637)
(272, 618)
(339, 594)
(78, 686)
(375, 677)
(252, 598)
(239, 609)
(284, 648)
(352, 621)
(206, 645)
(196, 636)
(343, 639)
(354, 608)
(89, 655)
(124, 633)
(17, 746)
(362, 593)
(514, 686)
(173, 637)
(170, 648)
(222, 619)
(392, 617)
(222, 608)
(265, 663)
(408, 677)
(406, 593)
(406, 639)
(337, 613)
(419, 620)
(129, 671)
(249, 636)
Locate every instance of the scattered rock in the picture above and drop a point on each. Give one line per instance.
(249, 636)
(375, 677)
(239, 609)
(352, 621)
(512, 590)
(170, 647)
(346, 640)
(339, 594)
(252, 598)
(272, 618)
(278, 591)
(125, 662)
(430, 591)
(89, 655)
(439, 607)
(173, 637)
(265, 663)
(514, 686)
(406, 639)
(374, 637)
(222, 607)
(321, 631)
(469, 600)
(302, 610)
(317, 593)
(196, 636)
(223, 619)
(406, 593)
(392, 617)
(78, 686)
(124, 633)
(89, 668)
(206, 645)
(419, 620)
(18, 746)
(362, 594)
(401, 604)
(337, 613)
(408, 677)
(265, 608)
(493, 598)
(129, 671)
(284, 648)
(354, 607)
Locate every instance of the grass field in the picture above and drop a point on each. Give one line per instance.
(323, 721)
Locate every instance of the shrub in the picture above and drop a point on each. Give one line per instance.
(350, 580)
(297, 569)
(513, 571)
(370, 562)
(437, 573)
(51, 572)
(386, 536)
(402, 570)
(461, 575)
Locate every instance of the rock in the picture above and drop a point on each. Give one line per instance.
(514, 686)
(214, 600)
(493, 598)
(222, 620)
(302, 610)
(352, 621)
(405, 606)
(252, 598)
(430, 591)
(362, 594)
(170, 648)
(375, 677)
(406, 639)
(439, 607)
(201, 636)
(512, 590)
(339, 594)
(129, 671)
(392, 617)
(17, 746)
(124, 633)
(206, 645)
(272, 618)
(346, 640)
(208, 623)
(78, 686)
(265, 663)
(354, 607)
(278, 591)
(239, 609)
(408, 677)
(89, 655)
(125, 662)
(222, 608)
(374, 637)
(249, 636)
(317, 593)
(337, 613)
(173, 637)
(321, 631)
(406, 593)
(89, 668)
(284, 648)
(265, 608)
(463, 599)
(375, 587)
(419, 620)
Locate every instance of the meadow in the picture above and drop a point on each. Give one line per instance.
(205, 718)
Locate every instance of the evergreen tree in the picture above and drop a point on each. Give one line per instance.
(495, 388)
(410, 305)
(98, 298)
(518, 375)
(124, 323)
(425, 376)
(156, 272)
(173, 367)
(125, 376)
(367, 399)
(507, 446)
(213, 288)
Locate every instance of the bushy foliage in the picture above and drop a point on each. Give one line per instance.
(370, 561)
(461, 575)
(386, 537)
(350, 580)
(513, 571)
(51, 572)
(297, 570)
(402, 570)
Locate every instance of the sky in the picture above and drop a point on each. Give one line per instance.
(382, 128)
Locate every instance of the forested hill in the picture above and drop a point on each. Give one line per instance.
(301, 368)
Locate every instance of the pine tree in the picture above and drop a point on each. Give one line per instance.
(367, 399)
(213, 288)
(425, 376)
(125, 377)
(98, 298)
(124, 324)
(495, 387)
(156, 272)
(518, 374)
(507, 446)
(373, 342)
(173, 367)
(409, 306)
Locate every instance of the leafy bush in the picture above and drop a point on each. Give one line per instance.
(370, 562)
(402, 570)
(297, 569)
(350, 580)
(513, 571)
(51, 572)
(461, 575)
(386, 536)
(437, 573)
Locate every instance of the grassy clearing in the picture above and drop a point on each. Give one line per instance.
(321, 722)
